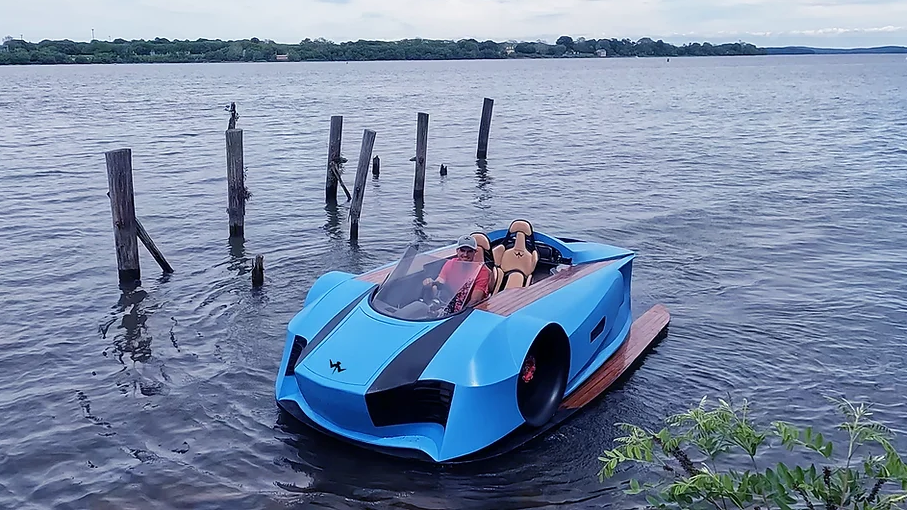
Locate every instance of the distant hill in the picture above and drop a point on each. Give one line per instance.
(807, 50)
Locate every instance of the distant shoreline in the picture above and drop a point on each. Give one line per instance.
(120, 51)
(809, 50)
(158, 50)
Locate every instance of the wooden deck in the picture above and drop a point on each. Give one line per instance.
(508, 301)
(642, 332)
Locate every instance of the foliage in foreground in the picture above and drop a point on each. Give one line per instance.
(875, 479)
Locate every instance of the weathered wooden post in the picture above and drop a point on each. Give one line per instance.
(365, 155)
(421, 147)
(122, 208)
(236, 188)
(484, 129)
(331, 179)
(376, 166)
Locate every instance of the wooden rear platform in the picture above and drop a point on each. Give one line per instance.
(643, 332)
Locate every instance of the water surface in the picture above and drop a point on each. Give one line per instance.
(765, 198)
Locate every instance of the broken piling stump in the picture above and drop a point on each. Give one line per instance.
(258, 271)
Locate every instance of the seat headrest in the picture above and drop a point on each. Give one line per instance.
(482, 240)
(521, 226)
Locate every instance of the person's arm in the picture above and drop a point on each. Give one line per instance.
(477, 295)
(441, 277)
(479, 287)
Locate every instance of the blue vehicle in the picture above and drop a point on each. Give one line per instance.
(394, 362)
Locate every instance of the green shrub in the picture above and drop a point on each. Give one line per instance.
(875, 479)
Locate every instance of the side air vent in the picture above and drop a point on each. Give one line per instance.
(598, 329)
(299, 344)
(419, 402)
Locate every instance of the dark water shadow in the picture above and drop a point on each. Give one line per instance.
(164, 278)
(239, 261)
(484, 198)
(356, 258)
(133, 340)
(332, 224)
(482, 172)
(419, 224)
(340, 471)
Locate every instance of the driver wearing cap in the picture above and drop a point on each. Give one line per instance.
(456, 275)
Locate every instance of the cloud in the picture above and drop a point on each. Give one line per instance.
(800, 21)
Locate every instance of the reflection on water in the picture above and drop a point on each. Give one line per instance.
(239, 262)
(332, 222)
(130, 336)
(419, 222)
(484, 198)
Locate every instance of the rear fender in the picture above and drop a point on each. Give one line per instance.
(523, 330)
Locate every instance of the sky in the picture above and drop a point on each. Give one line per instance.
(823, 23)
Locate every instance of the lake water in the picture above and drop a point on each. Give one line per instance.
(766, 198)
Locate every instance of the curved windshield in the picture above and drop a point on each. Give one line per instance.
(423, 286)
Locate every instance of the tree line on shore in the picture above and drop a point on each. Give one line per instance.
(17, 51)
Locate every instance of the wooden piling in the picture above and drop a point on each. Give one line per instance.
(152, 248)
(236, 188)
(365, 155)
(330, 184)
(421, 147)
(443, 169)
(484, 129)
(376, 166)
(122, 208)
(258, 271)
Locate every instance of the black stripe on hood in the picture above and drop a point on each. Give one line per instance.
(408, 366)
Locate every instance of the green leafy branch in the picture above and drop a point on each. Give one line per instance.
(877, 480)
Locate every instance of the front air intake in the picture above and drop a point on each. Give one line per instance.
(299, 344)
(419, 402)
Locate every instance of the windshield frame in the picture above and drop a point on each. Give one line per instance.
(403, 287)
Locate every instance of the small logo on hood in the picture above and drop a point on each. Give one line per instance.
(336, 366)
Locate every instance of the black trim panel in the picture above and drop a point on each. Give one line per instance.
(326, 330)
(299, 343)
(420, 402)
(408, 366)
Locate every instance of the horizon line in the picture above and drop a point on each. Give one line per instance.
(501, 41)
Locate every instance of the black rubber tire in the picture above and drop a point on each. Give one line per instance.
(539, 398)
